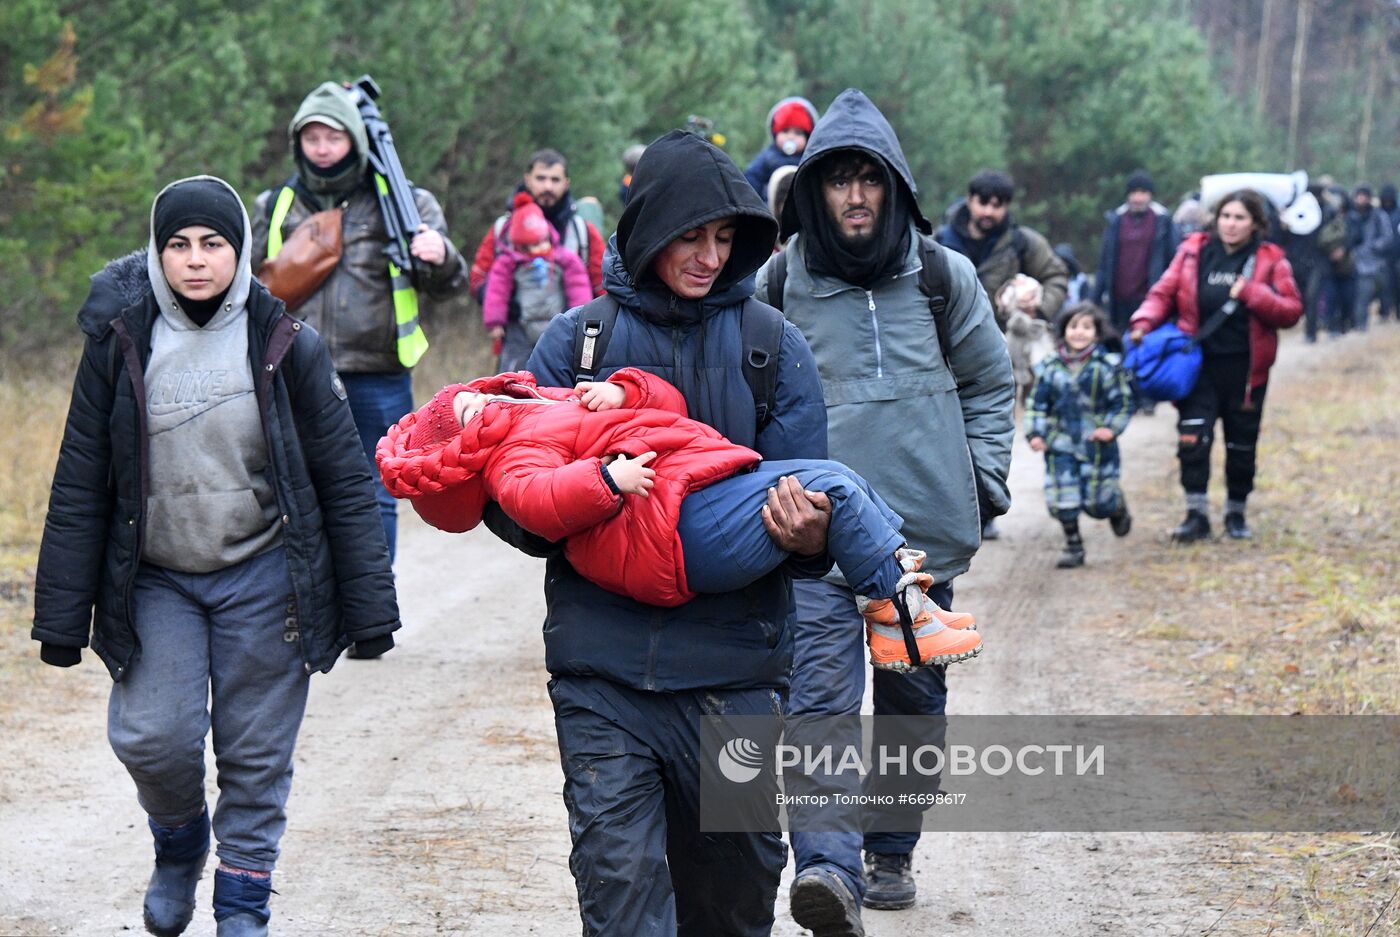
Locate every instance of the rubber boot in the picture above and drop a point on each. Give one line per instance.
(180, 855)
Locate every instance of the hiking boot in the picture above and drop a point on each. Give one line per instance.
(180, 855)
(1195, 527)
(1072, 556)
(822, 903)
(911, 617)
(1236, 528)
(910, 560)
(889, 881)
(885, 613)
(1122, 522)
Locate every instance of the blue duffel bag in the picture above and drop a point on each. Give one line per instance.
(1165, 364)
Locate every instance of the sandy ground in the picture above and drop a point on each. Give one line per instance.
(426, 798)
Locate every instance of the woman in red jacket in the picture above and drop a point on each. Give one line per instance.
(1236, 291)
(652, 504)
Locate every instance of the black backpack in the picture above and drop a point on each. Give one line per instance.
(933, 283)
(760, 329)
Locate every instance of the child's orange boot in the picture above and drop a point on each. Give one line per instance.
(906, 632)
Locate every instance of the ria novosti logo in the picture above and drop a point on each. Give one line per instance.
(740, 760)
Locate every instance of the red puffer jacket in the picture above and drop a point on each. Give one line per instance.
(1270, 298)
(539, 459)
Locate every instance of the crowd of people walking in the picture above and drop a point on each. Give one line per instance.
(757, 432)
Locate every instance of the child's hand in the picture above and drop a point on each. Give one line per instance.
(600, 395)
(631, 476)
(1037, 444)
(1102, 434)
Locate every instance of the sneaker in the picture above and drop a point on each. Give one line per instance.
(1122, 522)
(1236, 528)
(180, 856)
(822, 903)
(1072, 556)
(889, 882)
(911, 616)
(1195, 527)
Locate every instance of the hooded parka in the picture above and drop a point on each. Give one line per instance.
(932, 441)
(733, 640)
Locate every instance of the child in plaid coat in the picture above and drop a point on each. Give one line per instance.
(1080, 404)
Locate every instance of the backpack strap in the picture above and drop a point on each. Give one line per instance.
(777, 279)
(761, 331)
(592, 329)
(579, 225)
(761, 336)
(936, 283)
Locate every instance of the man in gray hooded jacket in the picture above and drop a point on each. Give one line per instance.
(933, 437)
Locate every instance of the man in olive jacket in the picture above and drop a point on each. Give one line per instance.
(356, 311)
(932, 436)
(983, 230)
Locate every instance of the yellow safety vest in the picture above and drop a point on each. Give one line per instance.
(411, 341)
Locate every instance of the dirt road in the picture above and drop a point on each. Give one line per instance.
(426, 798)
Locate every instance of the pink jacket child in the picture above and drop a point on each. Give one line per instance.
(539, 275)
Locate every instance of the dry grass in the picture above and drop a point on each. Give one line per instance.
(1304, 619)
(33, 407)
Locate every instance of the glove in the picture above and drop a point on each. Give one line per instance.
(59, 655)
(371, 648)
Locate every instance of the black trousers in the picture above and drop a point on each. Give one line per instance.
(1219, 395)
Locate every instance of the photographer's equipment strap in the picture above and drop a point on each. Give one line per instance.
(411, 342)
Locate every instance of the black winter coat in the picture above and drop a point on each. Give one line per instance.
(334, 539)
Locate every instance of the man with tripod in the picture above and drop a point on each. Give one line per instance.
(366, 308)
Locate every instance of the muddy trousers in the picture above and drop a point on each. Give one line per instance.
(213, 655)
(632, 789)
(726, 546)
(1219, 394)
(828, 679)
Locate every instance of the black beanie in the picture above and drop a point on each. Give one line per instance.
(199, 202)
(1139, 181)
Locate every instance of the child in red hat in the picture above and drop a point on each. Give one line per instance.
(532, 280)
(790, 122)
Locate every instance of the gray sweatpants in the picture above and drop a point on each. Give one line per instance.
(218, 634)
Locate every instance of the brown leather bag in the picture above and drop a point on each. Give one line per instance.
(307, 257)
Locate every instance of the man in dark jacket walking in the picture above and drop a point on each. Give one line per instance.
(630, 681)
(853, 286)
(1139, 241)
